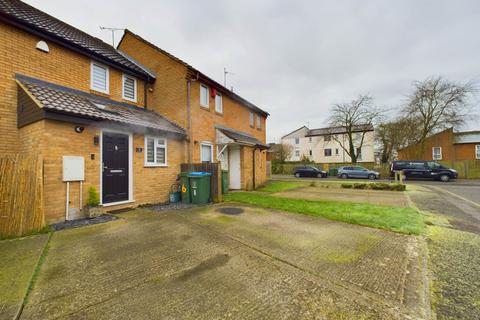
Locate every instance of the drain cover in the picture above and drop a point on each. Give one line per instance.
(230, 210)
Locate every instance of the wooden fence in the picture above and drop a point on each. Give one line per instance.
(21, 195)
(215, 179)
(467, 169)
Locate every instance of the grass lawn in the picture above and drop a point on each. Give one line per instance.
(402, 220)
(280, 186)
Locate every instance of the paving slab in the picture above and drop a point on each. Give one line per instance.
(195, 264)
(379, 197)
(19, 258)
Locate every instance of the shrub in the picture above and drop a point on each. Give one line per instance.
(93, 197)
(375, 186)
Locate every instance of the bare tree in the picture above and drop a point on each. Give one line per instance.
(356, 116)
(437, 104)
(282, 152)
(394, 135)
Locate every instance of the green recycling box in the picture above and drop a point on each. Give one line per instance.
(200, 187)
(185, 187)
(224, 181)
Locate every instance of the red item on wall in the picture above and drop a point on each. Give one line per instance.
(213, 92)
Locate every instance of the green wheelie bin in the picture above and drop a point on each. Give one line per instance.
(185, 187)
(200, 187)
(224, 181)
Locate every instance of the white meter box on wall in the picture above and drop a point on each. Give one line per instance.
(73, 168)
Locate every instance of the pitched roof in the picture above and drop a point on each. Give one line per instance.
(302, 127)
(338, 130)
(59, 99)
(241, 137)
(201, 75)
(33, 20)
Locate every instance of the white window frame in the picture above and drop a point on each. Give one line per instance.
(124, 76)
(203, 86)
(107, 75)
(252, 119)
(155, 145)
(209, 144)
(221, 103)
(297, 152)
(477, 151)
(433, 153)
(259, 122)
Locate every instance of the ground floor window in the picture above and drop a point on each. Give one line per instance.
(206, 152)
(359, 153)
(327, 152)
(477, 151)
(155, 151)
(437, 153)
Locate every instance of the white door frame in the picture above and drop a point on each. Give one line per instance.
(130, 167)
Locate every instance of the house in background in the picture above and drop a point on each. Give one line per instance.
(66, 93)
(324, 145)
(221, 125)
(447, 145)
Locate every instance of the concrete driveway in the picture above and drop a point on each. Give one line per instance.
(204, 264)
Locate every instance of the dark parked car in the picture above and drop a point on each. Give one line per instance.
(357, 172)
(309, 171)
(423, 170)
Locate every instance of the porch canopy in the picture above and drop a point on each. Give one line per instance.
(38, 99)
(227, 136)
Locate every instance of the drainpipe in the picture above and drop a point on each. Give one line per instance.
(145, 93)
(254, 149)
(189, 116)
(189, 152)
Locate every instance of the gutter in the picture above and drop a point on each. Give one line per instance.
(62, 42)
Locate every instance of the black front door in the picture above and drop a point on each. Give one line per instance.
(115, 167)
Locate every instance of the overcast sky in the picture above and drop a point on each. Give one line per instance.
(296, 58)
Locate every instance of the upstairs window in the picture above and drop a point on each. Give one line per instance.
(252, 119)
(259, 122)
(437, 153)
(218, 103)
(204, 96)
(155, 152)
(129, 88)
(297, 140)
(327, 138)
(99, 78)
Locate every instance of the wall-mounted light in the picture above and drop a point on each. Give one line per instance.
(96, 140)
(79, 129)
(139, 149)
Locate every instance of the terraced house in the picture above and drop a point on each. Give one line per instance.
(98, 117)
(221, 125)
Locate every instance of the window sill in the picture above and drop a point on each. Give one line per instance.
(117, 203)
(219, 113)
(103, 93)
(155, 165)
(130, 100)
(205, 107)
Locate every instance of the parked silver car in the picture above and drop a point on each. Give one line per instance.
(357, 172)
